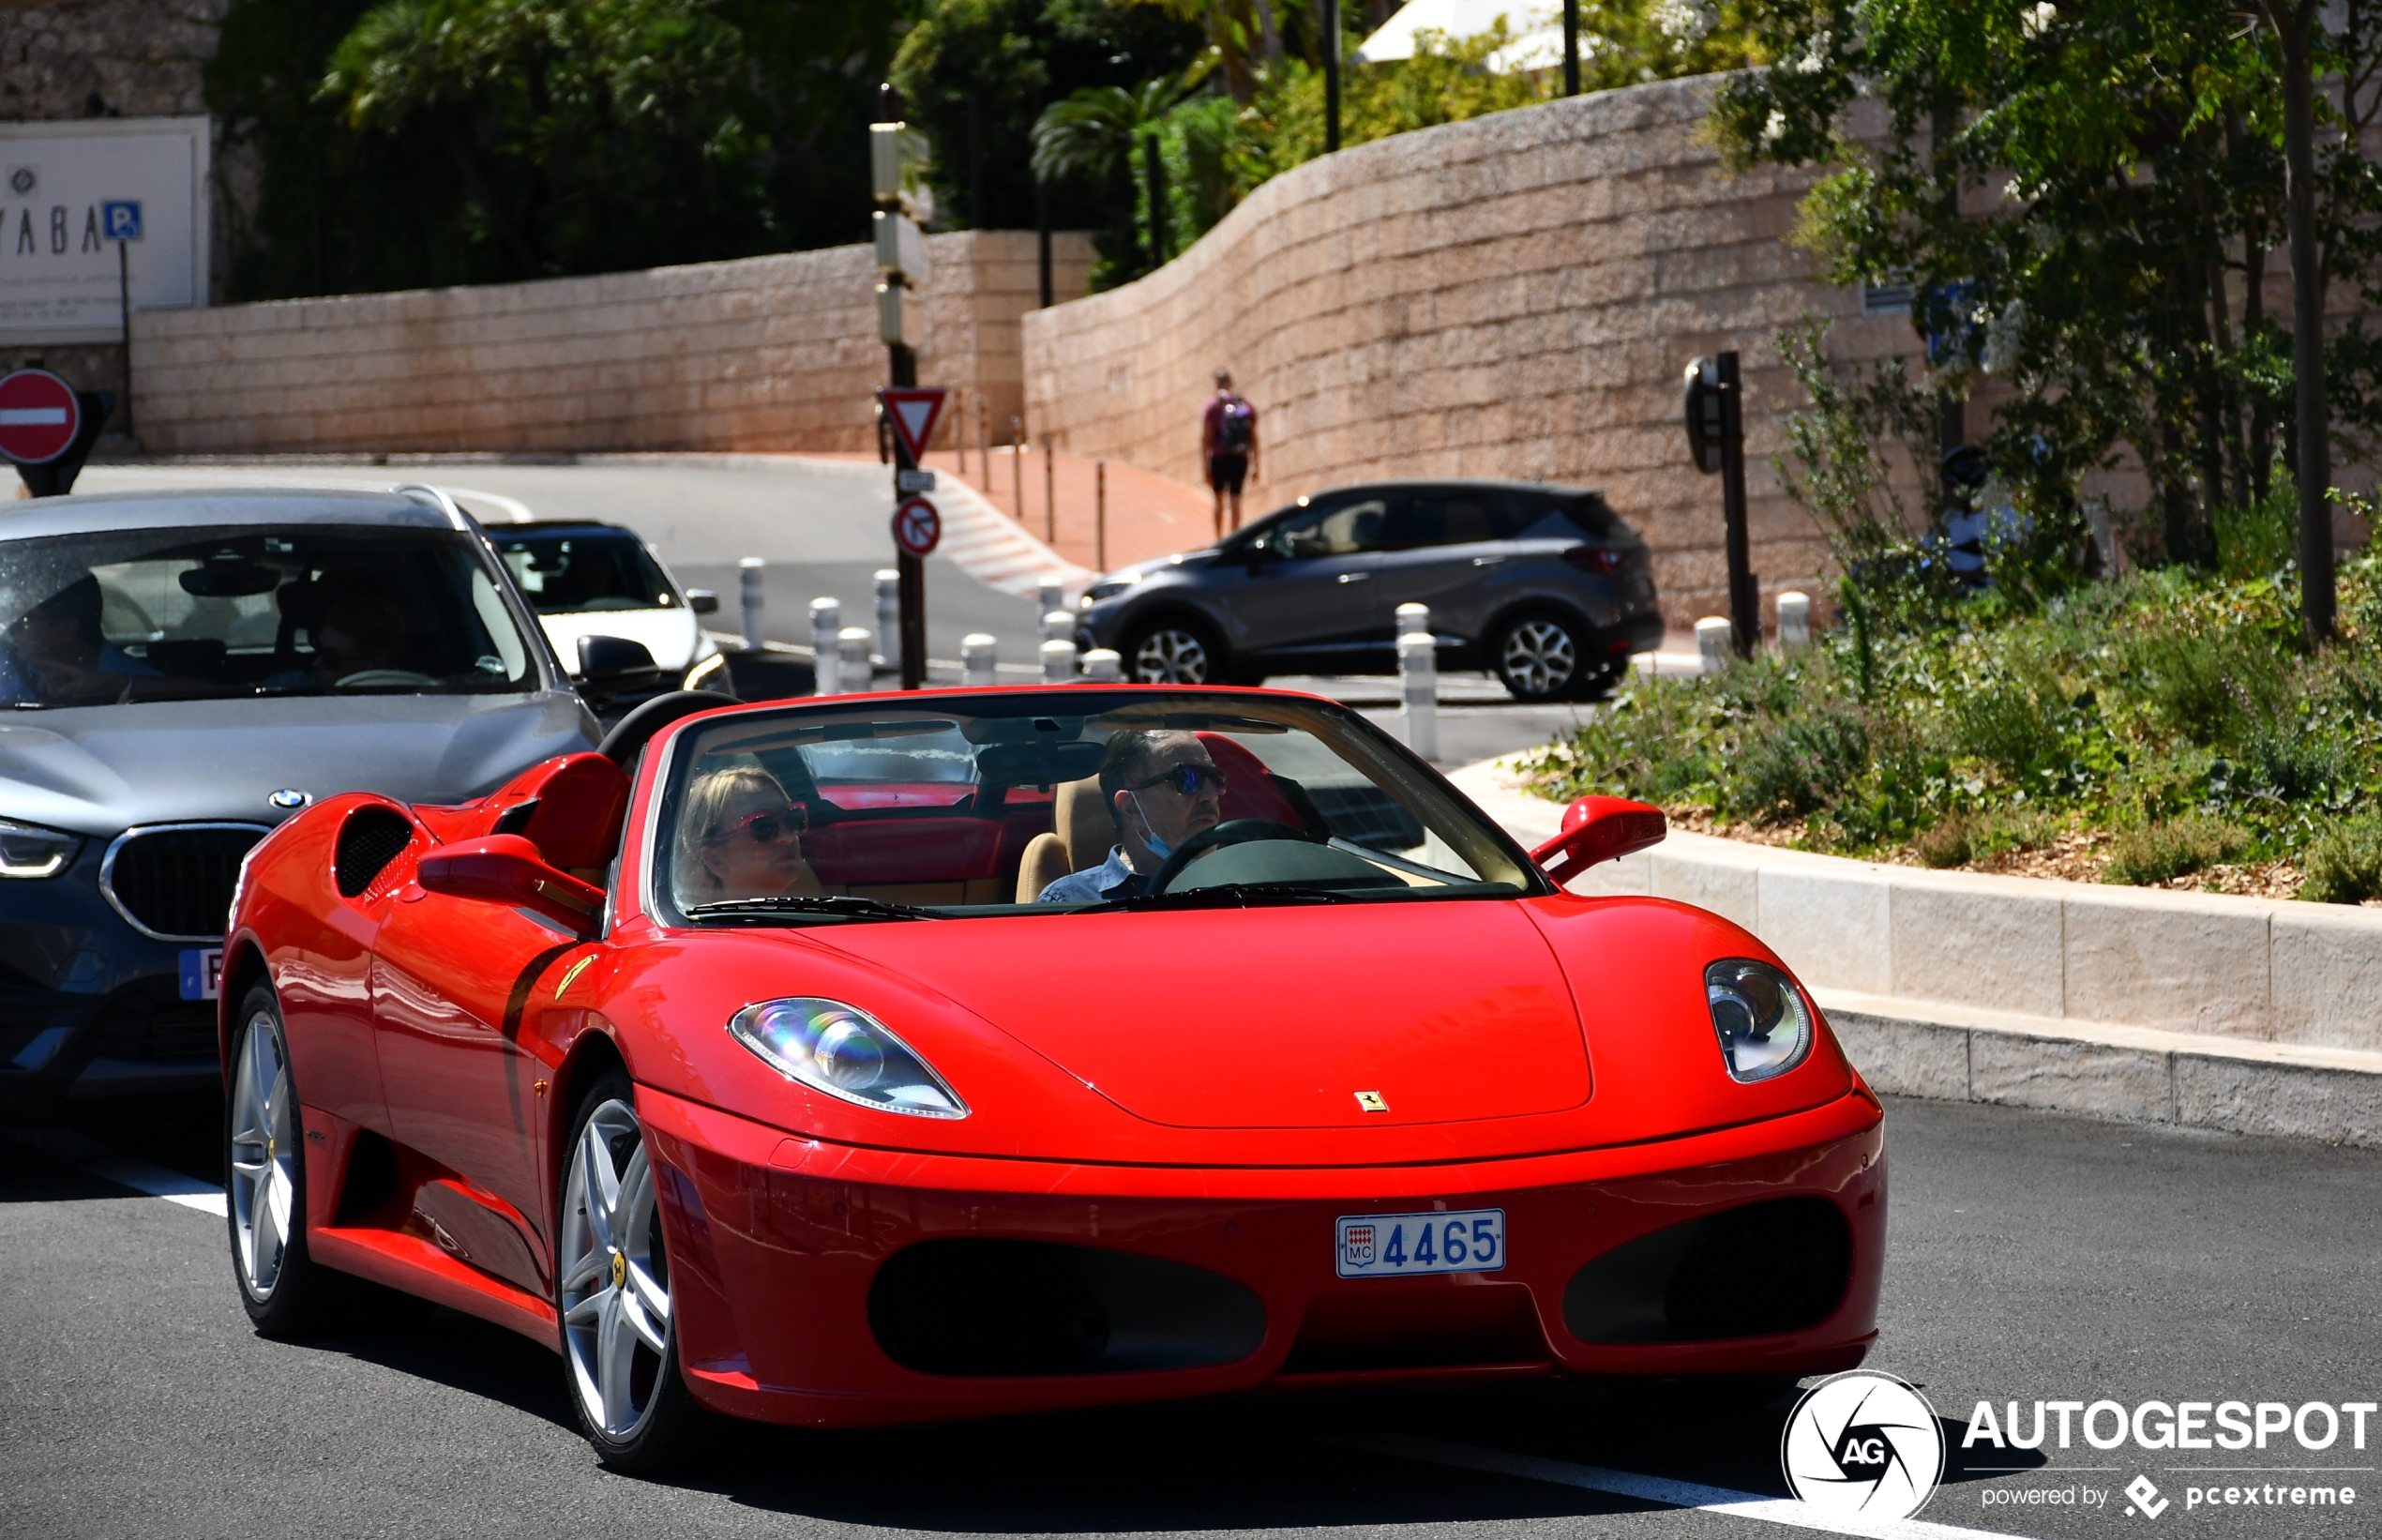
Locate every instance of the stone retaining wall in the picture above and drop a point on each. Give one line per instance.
(1511, 296)
(768, 352)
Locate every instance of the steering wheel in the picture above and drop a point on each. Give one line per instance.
(367, 678)
(1238, 831)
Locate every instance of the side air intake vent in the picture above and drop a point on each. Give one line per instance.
(1003, 1307)
(370, 840)
(1770, 1267)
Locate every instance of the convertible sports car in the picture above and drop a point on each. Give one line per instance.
(887, 1058)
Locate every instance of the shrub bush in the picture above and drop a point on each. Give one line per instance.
(2343, 865)
(2158, 851)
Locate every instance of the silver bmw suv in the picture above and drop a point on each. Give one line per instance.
(1542, 586)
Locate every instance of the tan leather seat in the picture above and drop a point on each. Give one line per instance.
(1083, 834)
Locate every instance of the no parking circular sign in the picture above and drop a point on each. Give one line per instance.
(917, 528)
(39, 417)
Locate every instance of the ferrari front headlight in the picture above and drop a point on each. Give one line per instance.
(844, 1051)
(1765, 1028)
(27, 850)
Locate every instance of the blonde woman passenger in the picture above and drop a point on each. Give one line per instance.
(741, 837)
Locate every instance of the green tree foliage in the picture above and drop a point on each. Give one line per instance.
(429, 142)
(2088, 194)
(976, 74)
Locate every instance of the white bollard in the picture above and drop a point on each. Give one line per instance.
(980, 655)
(1058, 662)
(748, 584)
(1049, 594)
(1794, 621)
(1104, 666)
(1714, 637)
(888, 617)
(1418, 668)
(852, 642)
(826, 619)
(1413, 617)
(1058, 623)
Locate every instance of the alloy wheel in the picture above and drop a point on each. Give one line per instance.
(1538, 658)
(1171, 655)
(265, 1156)
(615, 1292)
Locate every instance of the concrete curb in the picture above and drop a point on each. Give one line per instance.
(2245, 1015)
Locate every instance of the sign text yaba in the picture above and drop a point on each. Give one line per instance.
(58, 276)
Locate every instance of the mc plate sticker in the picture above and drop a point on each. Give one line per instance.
(1397, 1245)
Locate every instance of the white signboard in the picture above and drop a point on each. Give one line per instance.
(58, 277)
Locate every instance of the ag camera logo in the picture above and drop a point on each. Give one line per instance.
(1865, 1444)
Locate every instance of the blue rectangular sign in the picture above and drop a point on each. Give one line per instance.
(120, 221)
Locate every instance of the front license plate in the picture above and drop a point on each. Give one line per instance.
(1398, 1246)
(202, 973)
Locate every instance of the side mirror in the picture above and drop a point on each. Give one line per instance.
(1598, 829)
(505, 868)
(610, 656)
(702, 601)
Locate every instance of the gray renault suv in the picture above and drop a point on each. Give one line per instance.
(1543, 585)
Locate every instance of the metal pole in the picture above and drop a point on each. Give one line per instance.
(1744, 610)
(1049, 493)
(984, 446)
(1042, 237)
(123, 300)
(1571, 48)
(902, 368)
(1018, 468)
(1331, 75)
(1100, 515)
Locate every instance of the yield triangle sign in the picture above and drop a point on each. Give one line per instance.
(914, 413)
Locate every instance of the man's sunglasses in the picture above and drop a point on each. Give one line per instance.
(1188, 779)
(768, 828)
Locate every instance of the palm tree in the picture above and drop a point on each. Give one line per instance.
(1094, 131)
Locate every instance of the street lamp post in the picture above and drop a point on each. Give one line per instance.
(1331, 75)
(900, 258)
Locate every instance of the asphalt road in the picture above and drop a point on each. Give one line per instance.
(2033, 1256)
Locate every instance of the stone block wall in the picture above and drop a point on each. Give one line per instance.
(1513, 296)
(767, 352)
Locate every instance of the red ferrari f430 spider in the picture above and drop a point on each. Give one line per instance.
(887, 1058)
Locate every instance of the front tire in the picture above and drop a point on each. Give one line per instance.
(1174, 652)
(1542, 656)
(620, 1349)
(285, 1292)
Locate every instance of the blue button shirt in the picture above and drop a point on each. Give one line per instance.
(1111, 879)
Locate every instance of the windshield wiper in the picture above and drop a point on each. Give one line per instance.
(1231, 895)
(831, 905)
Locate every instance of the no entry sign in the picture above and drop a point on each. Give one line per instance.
(39, 417)
(914, 411)
(917, 528)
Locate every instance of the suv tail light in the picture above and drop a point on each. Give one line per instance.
(1605, 558)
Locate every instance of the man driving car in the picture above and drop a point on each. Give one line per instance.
(1161, 788)
(58, 653)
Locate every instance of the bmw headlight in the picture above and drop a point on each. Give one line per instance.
(27, 850)
(1109, 588)
(846, 1052)
(1764, 1026)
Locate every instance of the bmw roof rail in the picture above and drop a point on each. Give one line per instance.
(422, 492)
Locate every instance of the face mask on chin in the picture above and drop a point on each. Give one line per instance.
(1150, 837)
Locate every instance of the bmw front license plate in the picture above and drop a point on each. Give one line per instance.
(1398, 1246)
(202, 973)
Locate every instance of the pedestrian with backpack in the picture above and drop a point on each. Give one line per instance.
(1227, 446)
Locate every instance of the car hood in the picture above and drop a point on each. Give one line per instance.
(1270, 1018)
(102, 769)
(673, 636)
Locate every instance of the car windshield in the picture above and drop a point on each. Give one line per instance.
(567, 572)
(1057, 803)
(113, 618)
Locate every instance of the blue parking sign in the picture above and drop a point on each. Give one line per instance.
(121, 222)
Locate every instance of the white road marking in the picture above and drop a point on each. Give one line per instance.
(70, 1148)
(1674, 1494)
(160, 1182)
